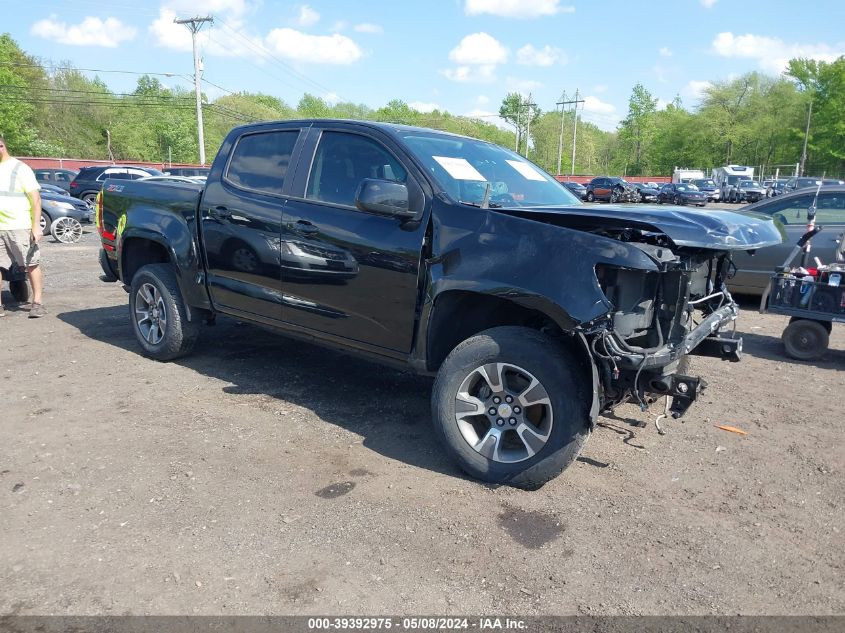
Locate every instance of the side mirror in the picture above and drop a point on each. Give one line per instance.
(385, 197)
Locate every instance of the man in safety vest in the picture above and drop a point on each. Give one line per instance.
(20, 223)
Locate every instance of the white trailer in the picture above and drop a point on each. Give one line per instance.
(682, 174)
(726, 178)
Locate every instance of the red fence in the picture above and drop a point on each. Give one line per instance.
(585, 179)
(77, 163)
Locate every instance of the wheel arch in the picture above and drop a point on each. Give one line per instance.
(456, 315)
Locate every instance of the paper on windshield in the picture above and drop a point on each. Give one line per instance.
(527, 171)
(459, 168)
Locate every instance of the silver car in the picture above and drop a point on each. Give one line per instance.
(789, 213)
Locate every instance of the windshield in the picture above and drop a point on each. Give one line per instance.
(468, 170)
(750, 183)
(705, 183)
(687, 188)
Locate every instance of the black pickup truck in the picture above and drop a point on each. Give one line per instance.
(448, 255)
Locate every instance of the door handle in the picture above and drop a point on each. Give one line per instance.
(219, 213)
(304, 227)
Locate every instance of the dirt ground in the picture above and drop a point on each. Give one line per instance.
(262, 475)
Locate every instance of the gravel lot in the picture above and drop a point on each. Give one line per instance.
(262, 475)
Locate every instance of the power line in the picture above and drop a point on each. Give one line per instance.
(89, 70)
(261, 49)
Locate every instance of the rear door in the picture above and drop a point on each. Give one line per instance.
(241, 218)
(347, 273)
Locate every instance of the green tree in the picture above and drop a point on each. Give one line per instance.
(638, 127)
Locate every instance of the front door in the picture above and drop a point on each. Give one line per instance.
(346, 272)
(241, 225)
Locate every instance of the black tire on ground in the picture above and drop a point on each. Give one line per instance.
(46, 222)
(551, 365)
(827, 325)
(590, 196)
(109, 269)
(805, 339)
(19, 290)
(177, 335)
(678, 201)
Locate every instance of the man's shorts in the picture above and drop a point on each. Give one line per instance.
(17, 247)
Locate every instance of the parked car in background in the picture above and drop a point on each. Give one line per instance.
(647, 194)
(803, 182)
(747, 190)
(187, 171)
(89, 180)
(774, 187)
(611, 190)
(680, 194)
(789, 212)
(58, 177)
(709, 187)
(55, 206)
(577, 188)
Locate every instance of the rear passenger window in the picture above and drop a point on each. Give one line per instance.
(260, 161)
(342, 161)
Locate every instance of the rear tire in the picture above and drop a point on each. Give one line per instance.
(158, 313)
(108, 267)
(19, 290)
(805, 339)
(535, 442)
(591, 196)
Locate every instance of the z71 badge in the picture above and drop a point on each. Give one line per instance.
(117, 188)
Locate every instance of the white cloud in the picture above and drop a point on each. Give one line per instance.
(708, 4)
(600, 113)
(665, 52)
(367, 27)
(772, 54)
(482, 74)
(522, 86)
(315, 49)
(479, 48)
(331, 98)
(524, 9)
(306, 16)
(546, 56)
(597, 106)
(423, 107)
(696, 88)
(661, 104)
(108, 33)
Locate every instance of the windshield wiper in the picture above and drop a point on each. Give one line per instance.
(480, 205)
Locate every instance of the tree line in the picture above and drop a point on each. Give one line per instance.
(755, 119)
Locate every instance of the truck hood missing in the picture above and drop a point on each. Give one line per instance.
(711, 230)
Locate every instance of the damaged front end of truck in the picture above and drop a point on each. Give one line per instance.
(673, 303)
(641, 289)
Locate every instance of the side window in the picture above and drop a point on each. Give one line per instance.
(830, 209)
(42, 176)
(118, 175)
(342, 161)
(61, 177)
(791, 211)
(260, 161)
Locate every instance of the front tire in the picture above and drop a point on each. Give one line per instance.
(591, 196)
(46, 222)
(158, 313)
(678, 201)
(507, 407)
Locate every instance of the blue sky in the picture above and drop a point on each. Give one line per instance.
(459, 55)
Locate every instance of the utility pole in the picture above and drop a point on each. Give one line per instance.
(563, 103)
(194, 25)
(528, 105)
(560, 138)
(518, 108)
(806, 136)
